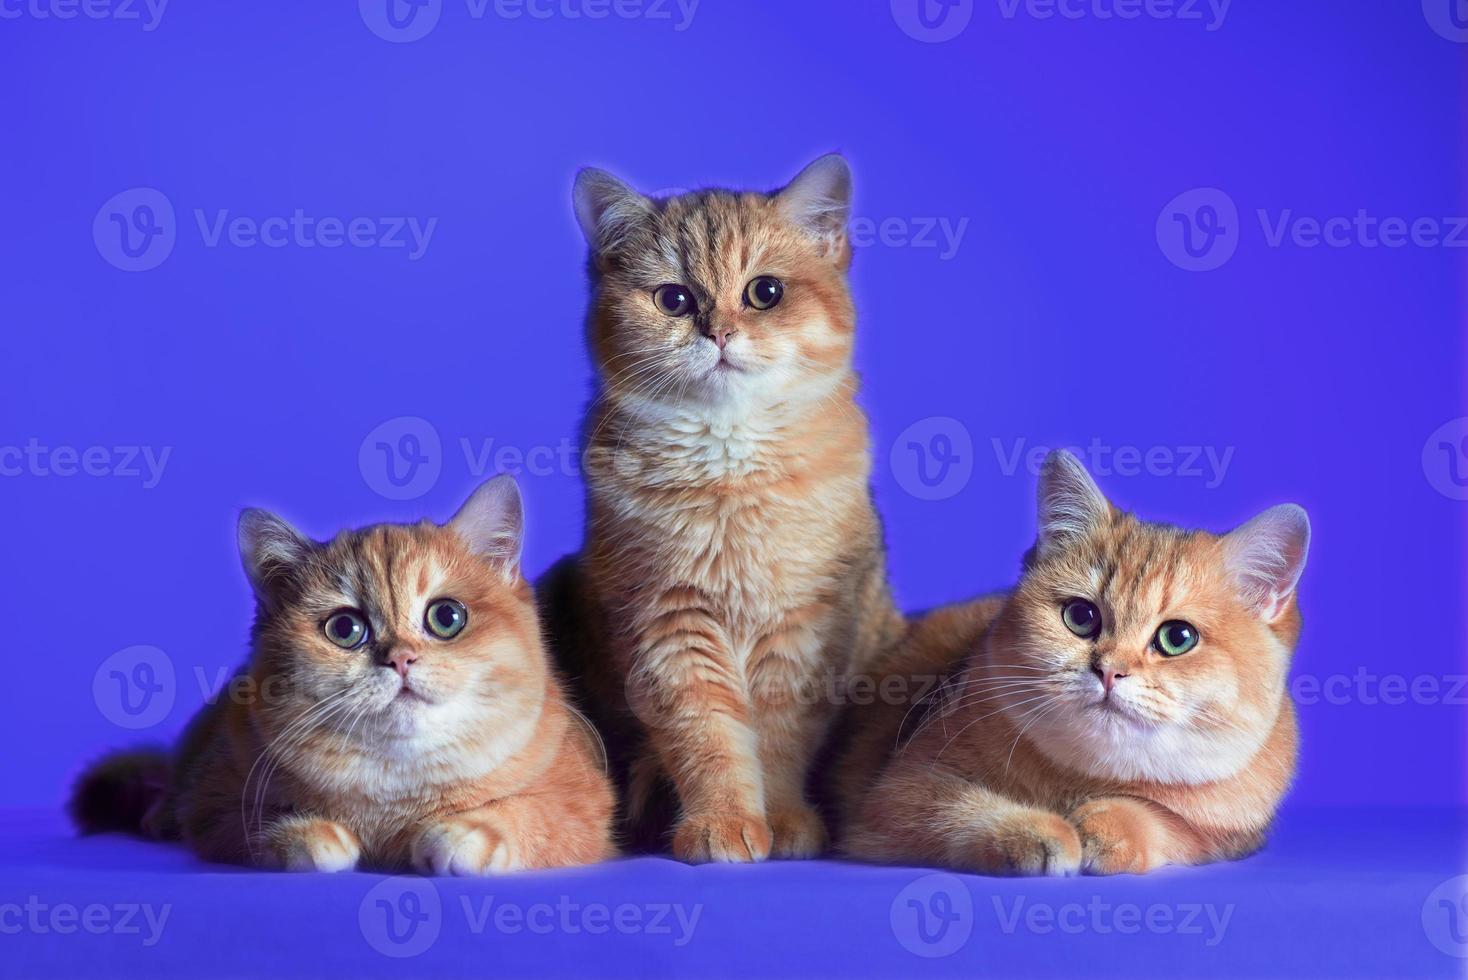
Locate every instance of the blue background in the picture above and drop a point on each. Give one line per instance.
(1059, 319)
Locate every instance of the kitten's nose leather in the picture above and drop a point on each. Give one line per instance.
(1108, 677)
(400, 661)
(718, 333)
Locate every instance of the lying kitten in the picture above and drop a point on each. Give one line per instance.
(1124, 708)
(399, 711)
(734, 566)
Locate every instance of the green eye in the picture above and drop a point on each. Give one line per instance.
(347, 629)
(1082, 618)
(446, 618)
(764, 293)
(1175, 638)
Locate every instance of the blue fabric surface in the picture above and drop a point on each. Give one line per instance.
(1337, 893)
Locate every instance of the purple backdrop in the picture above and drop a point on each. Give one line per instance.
(321, 258)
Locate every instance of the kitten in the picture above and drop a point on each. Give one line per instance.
(398, 710)
(734, 566)
(1125, 707)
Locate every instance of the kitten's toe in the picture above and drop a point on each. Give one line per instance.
(1031, 843)
(798, 831)
(1114, 838)
(314, 845)
(464, 848)
(701, 838)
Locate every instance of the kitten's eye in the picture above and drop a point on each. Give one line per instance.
(764, 293)
(347, 629)
(446, 618)
(675, 300)
(1175, 638)
(1081, 618)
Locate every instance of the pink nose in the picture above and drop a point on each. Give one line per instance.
(719, 335)
(1108, 676)
(400, 662)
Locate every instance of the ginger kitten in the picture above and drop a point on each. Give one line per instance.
(1124, 708)
(734, 564)
(399, 711)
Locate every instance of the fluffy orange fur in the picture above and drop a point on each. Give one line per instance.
(734, 564)
(1050, 752)
(445, 754)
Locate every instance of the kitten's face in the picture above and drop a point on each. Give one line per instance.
(717, 298)
(1154, 653)
(395, 637)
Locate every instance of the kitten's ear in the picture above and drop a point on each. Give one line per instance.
(270, 549)
(492, 524)
(607, 209)
(819, 199)
(1071, 505)
(1267, 555)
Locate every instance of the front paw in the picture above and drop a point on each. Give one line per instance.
(1030, 843)
(465, 847)
(310, 844)
(730, 838)
(799, 832)
(1114, 837)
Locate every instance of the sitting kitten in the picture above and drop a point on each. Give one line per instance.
(734, 569)
(398, 710)
(1124, 708)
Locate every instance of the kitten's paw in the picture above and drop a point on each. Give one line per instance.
(313, 845)
(701, 838)
(1114, 837)
(1033, 843)
(799, 832)
(464, 846)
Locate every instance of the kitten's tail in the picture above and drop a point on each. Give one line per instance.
(123, 791)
